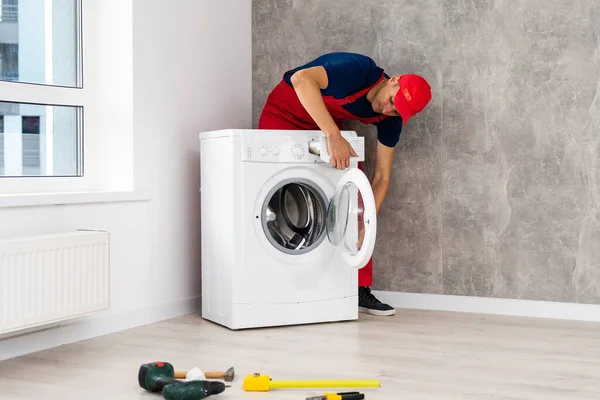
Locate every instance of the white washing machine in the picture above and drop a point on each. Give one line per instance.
(280, 229)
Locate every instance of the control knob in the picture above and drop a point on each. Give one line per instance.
(297, 151)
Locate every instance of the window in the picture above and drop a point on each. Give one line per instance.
(66, 100)
(42, 99)
(39, 140)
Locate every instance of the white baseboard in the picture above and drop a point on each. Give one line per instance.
(486, 305)
(93, 326)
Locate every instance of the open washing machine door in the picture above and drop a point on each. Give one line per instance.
(352, 218)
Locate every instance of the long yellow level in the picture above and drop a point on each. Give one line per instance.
(263, 383)
(323, 384)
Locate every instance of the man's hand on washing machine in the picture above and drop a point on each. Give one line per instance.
(340, 151)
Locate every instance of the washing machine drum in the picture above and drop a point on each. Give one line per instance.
(295, 217)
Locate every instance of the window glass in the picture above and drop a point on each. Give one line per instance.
(40, 42)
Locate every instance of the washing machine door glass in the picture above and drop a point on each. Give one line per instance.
(351, 218)
(294, 216)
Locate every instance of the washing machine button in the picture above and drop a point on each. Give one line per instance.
(298, 151)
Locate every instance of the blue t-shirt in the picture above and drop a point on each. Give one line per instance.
(349, 73)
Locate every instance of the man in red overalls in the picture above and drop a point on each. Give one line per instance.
(335, 87)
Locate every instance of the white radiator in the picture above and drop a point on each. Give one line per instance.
(48, 279)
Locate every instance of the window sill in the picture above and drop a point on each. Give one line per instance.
(57, 199)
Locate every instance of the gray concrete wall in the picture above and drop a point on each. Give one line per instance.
(495, 187)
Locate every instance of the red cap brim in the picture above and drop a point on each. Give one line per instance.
(402, 107)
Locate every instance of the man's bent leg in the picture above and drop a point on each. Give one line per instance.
(367, 302)
(365, 274)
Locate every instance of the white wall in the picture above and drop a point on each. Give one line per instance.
(192, 72)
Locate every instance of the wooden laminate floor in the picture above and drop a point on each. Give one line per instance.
(415, 354)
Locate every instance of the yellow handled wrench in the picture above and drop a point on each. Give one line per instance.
(258, 382)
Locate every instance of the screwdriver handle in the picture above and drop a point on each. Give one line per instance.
(339, 396)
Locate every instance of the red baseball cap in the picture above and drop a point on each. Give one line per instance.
(413, 96)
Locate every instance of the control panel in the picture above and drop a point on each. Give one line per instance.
(279, 151)
(302, 147)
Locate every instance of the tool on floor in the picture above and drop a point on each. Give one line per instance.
(191, 390)
(195, 373)
(258, 382)
(339, 396)
(160, 376)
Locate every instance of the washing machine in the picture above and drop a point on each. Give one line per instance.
(283, 234)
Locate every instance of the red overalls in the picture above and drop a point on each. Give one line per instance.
(283, 110)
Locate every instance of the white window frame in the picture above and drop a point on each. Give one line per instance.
(107, 101)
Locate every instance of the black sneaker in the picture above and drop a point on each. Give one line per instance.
(369, 304)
